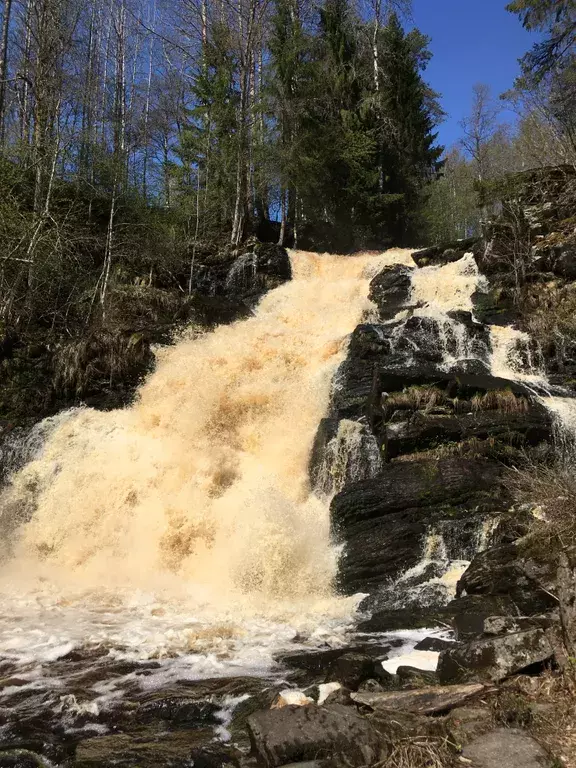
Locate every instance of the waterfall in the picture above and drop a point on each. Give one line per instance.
(195, 502)
(351, 455)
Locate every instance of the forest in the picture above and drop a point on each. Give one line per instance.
(139, 136)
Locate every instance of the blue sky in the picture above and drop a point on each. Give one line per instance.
(472, 41)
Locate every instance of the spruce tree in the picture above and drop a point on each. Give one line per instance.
(411, 159)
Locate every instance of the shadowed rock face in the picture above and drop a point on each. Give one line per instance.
(390, 290)
(244, 273)
(384, 521)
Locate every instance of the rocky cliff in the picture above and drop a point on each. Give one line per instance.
(455, 416)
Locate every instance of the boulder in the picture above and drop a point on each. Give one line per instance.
(508, 747)
(391, 620)
(434, 644)
(495, 658)
(295, 734)
(313, 667)
(446, 253)
(506, 571)
(471, 611)
(390, 290)
(351, 669)
(178, 710)
(425, 701)
(412, 677)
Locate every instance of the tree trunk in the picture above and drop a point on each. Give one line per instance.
(4, 66)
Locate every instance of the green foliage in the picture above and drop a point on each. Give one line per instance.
(451, 203)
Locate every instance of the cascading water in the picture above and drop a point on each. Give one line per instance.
(184, 529)
(186, 523)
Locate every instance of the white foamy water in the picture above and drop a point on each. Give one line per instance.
(184, 528)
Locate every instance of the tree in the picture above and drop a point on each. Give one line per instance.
(549, 68)
(451, 210)
(410, 155)
(557, 20)
(479, 128)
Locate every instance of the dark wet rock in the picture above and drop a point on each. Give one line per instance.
(384, 521)
(224, 686)
(422, 430)
(294, 734)
(178, 710)
(351, 669)
(22, 758)
(411, 484)
(412, 677)
(436, 644)
(340, 456)
(426, 701)
(444, 254)
(388, 681)
(391, 620)
(243, 273)
(214, 756)
(495, 658)
(508, 747)
(321, 666)
(506, 571)
(145, 749)
(390, 290)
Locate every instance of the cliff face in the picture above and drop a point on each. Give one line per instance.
(458, 403)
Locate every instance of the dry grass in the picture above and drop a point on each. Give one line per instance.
(100, 358)
(551, 490)
(426, 397)
(500, 400)
(418, 398)
(472, 448)
(549, 316)
(421, 753)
